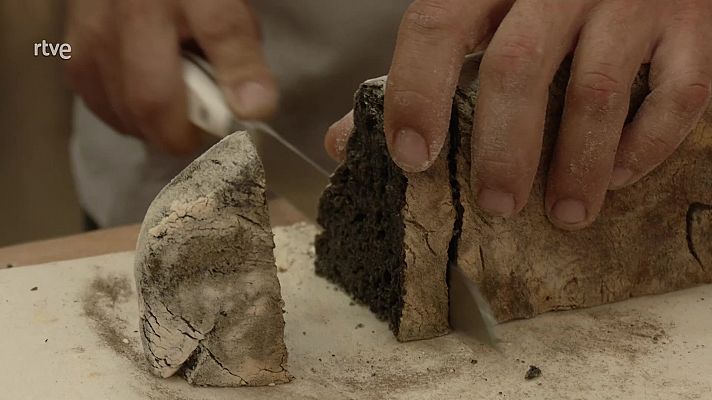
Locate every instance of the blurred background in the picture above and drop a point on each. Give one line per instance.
(37, 196)
(319, 50)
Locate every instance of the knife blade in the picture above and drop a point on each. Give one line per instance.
(470, 313)
(288, 171)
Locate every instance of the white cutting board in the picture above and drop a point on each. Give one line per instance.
(75, 337)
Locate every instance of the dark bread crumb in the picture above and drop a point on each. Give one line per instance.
(361, 246)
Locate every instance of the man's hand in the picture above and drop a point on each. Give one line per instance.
(528, 41)
(126, 63)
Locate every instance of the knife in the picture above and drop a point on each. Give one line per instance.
(470, 314)
(288, 171)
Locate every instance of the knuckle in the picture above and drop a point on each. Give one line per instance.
(403, 97)
(599, 86)
(518, 50)
(501, 166)
(660, 142)
(656, 147)
(691, 97)
(513, 61)
(433, 18)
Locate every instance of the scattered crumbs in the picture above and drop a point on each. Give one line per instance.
(359, 326)
(320, 360)
(271, 384)
(333, 355)
(532, 373)
(125, 341)
(313, 370)
(46, 340)
(499, 393)
(452, 370)
(34, 289)
(473, 361)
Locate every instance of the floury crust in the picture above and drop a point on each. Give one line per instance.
(209, 298)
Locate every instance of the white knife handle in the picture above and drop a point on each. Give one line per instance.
(207, 108)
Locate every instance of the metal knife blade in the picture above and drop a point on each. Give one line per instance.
(289, 172)
(470, 314)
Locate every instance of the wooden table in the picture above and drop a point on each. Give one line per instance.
(112, 240)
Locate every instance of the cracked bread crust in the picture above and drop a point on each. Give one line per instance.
(209, 298)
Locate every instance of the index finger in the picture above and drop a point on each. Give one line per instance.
(433, 39)
(229, 34)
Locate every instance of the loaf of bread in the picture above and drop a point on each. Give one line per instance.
(388, 235)
(210, 303)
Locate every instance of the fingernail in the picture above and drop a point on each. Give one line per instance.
(411, 151)
(620, 177)
(252, 100)
(569, 211)
(495, 202)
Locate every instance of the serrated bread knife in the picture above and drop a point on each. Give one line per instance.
(289, 172)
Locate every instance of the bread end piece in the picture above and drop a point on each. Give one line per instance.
(209, 297)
